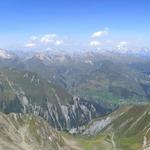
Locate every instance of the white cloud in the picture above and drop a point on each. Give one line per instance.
(30, 45)
(48, 38)
(122, 45)
(95, 43)
(100, 33)
(58, 42)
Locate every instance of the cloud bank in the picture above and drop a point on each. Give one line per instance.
(100, 33)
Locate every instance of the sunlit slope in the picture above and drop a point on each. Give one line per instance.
(128, 129)
(27, 132)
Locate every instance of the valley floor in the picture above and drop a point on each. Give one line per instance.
(89, 143)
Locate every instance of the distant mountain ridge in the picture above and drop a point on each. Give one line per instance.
(96, 76)
(106, 76)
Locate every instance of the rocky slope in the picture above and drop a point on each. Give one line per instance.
(26, 92)
(27, 132)
(128, 128)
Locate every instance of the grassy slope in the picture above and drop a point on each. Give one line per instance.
(89, 143)
(131, 127)
(34, 87)
(126, 132)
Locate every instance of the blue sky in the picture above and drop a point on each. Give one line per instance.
(123, 20)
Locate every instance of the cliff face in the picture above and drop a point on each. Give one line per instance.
(27, 132)
(68, 116)
(62, 117)
(26, 92)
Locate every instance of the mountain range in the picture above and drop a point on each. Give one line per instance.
(94, 100)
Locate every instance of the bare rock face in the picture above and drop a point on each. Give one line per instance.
(97, 126)
(62, 117)
(25, 92)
